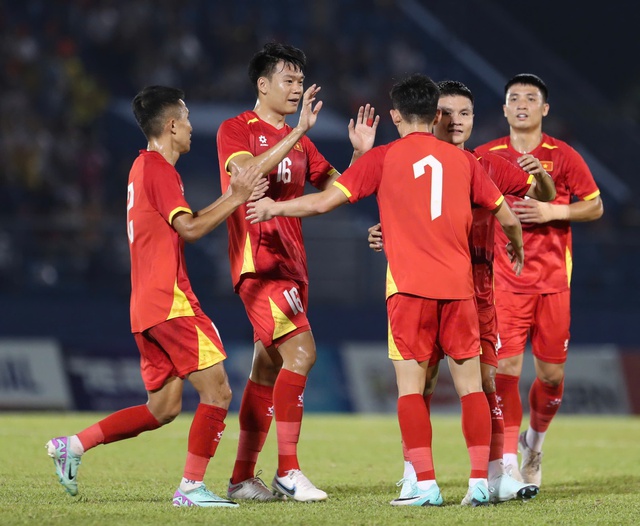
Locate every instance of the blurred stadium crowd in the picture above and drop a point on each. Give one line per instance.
(63, 63)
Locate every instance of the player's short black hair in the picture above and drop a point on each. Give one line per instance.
(150, 108)
(416, 98)
(454, 87)
(264, 62)
(528, 79)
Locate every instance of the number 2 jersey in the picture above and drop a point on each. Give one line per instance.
(273, 248)
(547, 246)
(160, 287)
(425, 189)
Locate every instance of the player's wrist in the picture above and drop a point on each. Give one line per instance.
(561, 212)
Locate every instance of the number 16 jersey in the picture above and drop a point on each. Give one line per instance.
(273, 248)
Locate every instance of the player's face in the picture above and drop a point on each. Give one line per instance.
(182, 129)
(456, 122)
(524, 107)
(283, 92)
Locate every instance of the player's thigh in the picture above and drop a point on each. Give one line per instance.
(413, 327)
(515, 316)
(550, 332)
(411, 376)
(298, 352)
(276, 308)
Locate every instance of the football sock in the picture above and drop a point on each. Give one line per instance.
(126, 423)
(415, 427)
(476, 428)
(497, 428)
(408, 470)
(288, 407)
(256, 414)
(534, 439)
(508, 392)
(76, 446)
(187, 485)
(204, 436)
(544, 401)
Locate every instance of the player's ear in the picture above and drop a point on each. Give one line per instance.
(438, 116)
(545, 109)
(263, 85)
(396, 118)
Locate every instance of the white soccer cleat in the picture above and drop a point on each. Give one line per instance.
(503, 488)
(531, 464)
(296, 486)
(477, 495)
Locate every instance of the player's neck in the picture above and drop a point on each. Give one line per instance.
(165, 149)
(405, 128)
(270, 116)
(525, 141)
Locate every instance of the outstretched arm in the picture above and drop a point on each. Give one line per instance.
(513, 230)
(305, 206)
(243, 184)
(532, 211)
(362, 131)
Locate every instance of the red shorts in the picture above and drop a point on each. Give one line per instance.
(545, 318)
(178, 347)
(419, 327)
(276, 308)
(488, 336)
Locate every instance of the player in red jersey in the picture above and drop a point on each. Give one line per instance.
(268, 264)
(455, 127)
(424, 185)
(537, 305)
(177, 341)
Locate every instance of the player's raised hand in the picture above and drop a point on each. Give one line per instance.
(258, 211)
(531, 165)
(309, 112)
(375, 237)
(362, 131)
(516, 256)
(247, 182)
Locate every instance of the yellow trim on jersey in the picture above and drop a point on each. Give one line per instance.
(281, 324)
(179, 209)
(499, 147)
(181, 305)
(332, 171)
(247, 258)
(394, 353)
(392, 288)
(255, 119)
(569, 263)
(208, 353)
(499, 201)
(342, 188)
(591, 196)
(548, 146)
(531, 178)
(243, 152)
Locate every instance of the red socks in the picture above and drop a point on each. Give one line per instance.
(476, 428)
(497, 428)
(127, 423)
(204, 437)
(256, 414)
(288, 406)
(415, 427)
(511, 405)
(544, 402)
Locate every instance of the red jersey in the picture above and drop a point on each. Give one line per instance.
(425, 188)
(273, 248)
(510, 180)
(548, 246)
(160, 287)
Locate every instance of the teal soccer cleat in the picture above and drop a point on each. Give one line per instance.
(201, 497)
(66, 463)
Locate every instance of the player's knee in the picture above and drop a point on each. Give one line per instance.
(167, 414)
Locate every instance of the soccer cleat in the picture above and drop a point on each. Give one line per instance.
(66, 463)
(513, 471)
(201, 497)
(531, 463)
(296, 486)
(407, 485)
(251, 489)
(477, 495)
(504, 488)
(419, 497)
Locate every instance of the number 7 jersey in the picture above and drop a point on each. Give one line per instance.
(425, 188)
(273, 248)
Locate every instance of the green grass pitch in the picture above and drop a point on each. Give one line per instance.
(591, 475)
